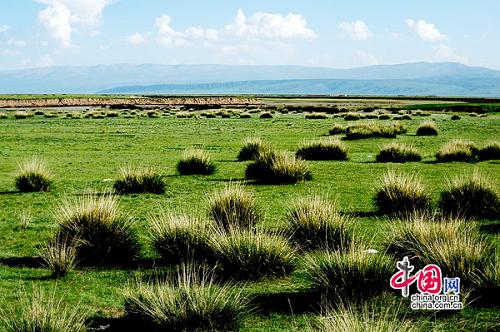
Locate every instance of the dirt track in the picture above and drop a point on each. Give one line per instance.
(62, 102)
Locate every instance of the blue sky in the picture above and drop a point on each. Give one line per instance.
(37, 33)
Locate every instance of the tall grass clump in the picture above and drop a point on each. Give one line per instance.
(233, 207)
(195, 161)
(369, 130)
(189, 301)
(337, 129)
(369, 317)
(103, 233)
(43, 312)
(401, 194)
(491, 151)
(427, 128)
(278, 168)
(353, 275)
(180, 238)
(139, 180)
(398, 153)
(456, 246)
(247, 255)
(251, 149)
(457, 150)
(472, 196)
(33, 175)
(314, 222)
(59, 256)
(323, 149)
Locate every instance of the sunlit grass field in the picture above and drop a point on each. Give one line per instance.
(86, 154)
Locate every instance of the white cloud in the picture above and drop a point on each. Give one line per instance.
(4, 28)
(16, 42)
(45, 61)
(446, 53)
(189, 37)
(366, 58)
(266, 25)
(136, 38)
(356, 30)
(426, 31)
(61, 16)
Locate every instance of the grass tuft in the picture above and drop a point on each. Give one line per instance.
(337, 129)
(247, 255)
(355, 275)
(369, 130)
(139, 180)
(59, 256)
(457, 150)
(195, 161)
(189, 301)
(278, 168)
(233, 207)
(103, 233)
(252, 148)
(471, 197)
(491, 151)
(314, 222)
(44, 312)
(323, 149)
(33, 175)
(179, 238)
(398, 153)
(401, 194)
(427, 128)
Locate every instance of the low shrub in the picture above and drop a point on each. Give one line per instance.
(33, 175)
(233, 207)
(337, 129)
(355, 275)
(43, 312)
(314, 222)
(251, 149)
(139, 180)
(455, 117)
(195, 161)
(266, 115)
(247, 255)
(457, 150)
(427, 128)
(59, 256)
(316, 116)
(179, 238)
(278, 168)
(22, 115)
(323, 149)
(111, 114)
(186, 302)
(3, 115)
(471, 197)
(102, 232)
(491, 151)
(384, 117)
(398, 153)
(401, 194)
(245, 116)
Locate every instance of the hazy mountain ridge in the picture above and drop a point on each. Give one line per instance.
(412, 79)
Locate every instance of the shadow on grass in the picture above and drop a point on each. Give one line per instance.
(492, 228)
(26, 261)
(11, 192)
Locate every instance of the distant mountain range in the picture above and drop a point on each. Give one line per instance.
(440, 79)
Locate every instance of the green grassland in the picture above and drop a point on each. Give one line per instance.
(86, 154)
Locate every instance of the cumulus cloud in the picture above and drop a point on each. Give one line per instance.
(16, 42)
(4, 28)
(356, 30)
(267, 25)
(170, 37)
(136, 38)
(61, 16)
(426, 31)
(447, 53)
